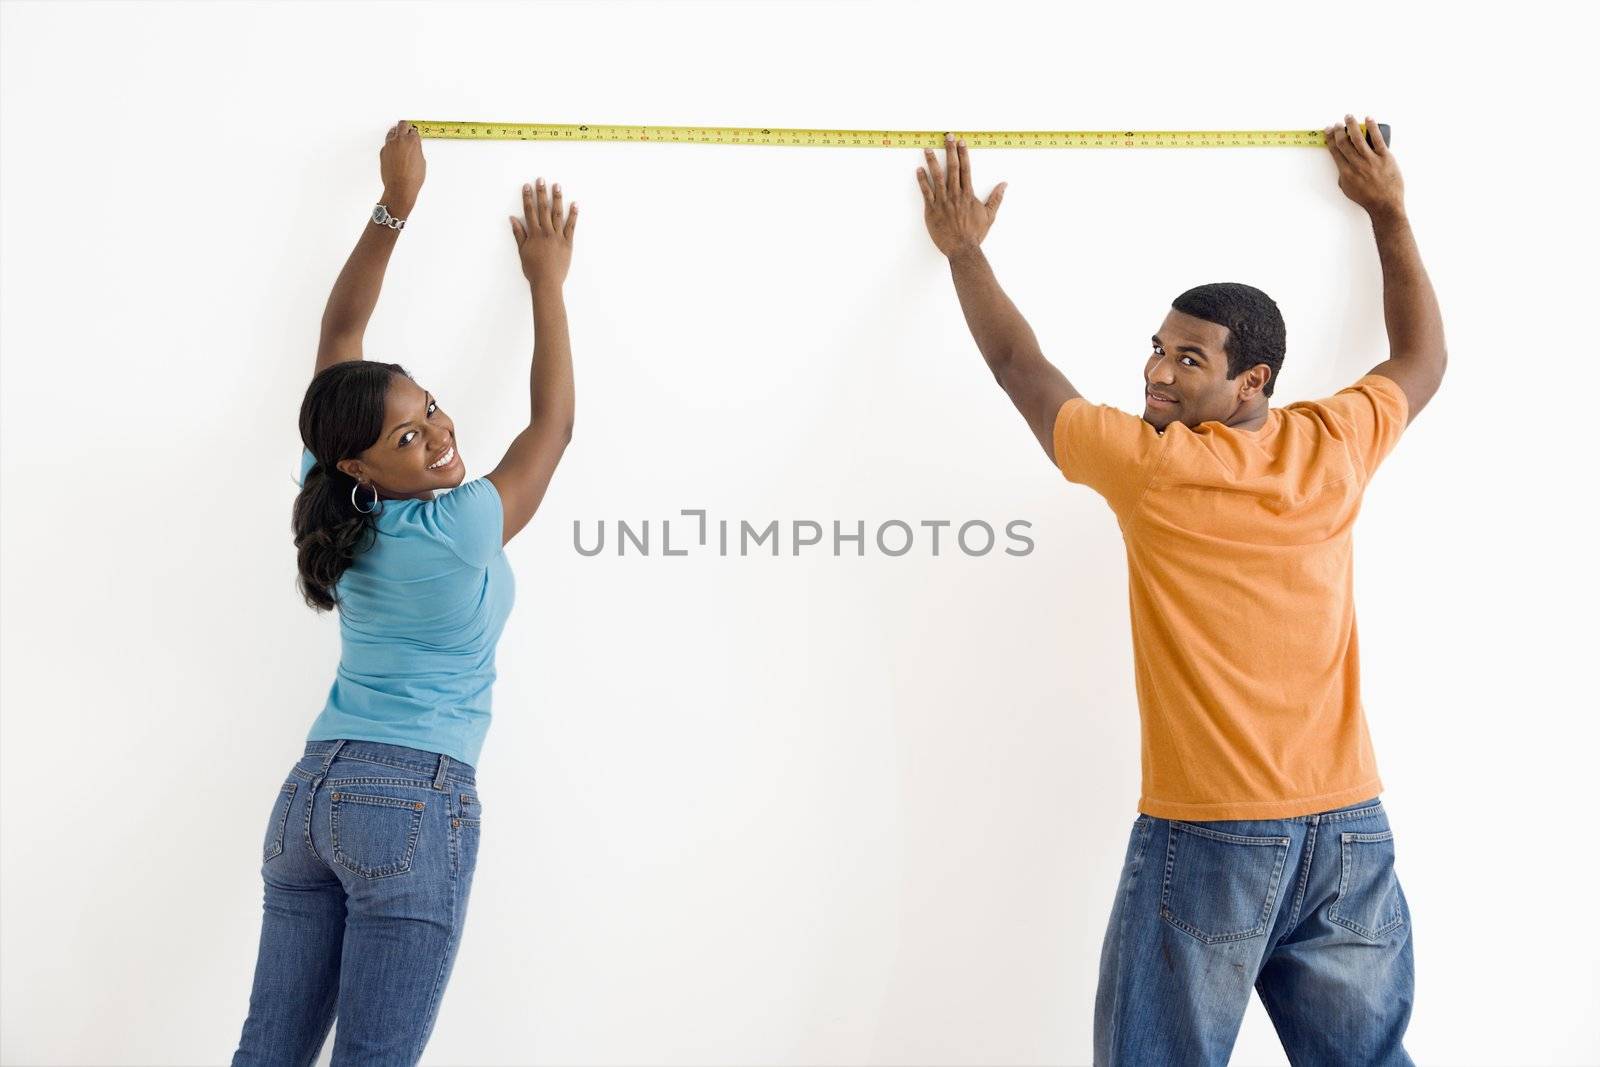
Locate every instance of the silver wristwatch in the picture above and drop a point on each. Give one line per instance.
(381, 216)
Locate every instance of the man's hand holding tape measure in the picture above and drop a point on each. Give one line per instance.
(958, 222)
(1368, 173)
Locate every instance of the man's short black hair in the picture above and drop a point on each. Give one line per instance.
(1255, 326)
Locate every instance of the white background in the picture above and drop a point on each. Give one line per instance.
(807, 810)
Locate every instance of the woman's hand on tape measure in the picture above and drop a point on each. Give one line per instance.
(402, 166)
(544, 236)
(1368, 174)
(956, 218)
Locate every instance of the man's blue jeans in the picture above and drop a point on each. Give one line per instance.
(1308, 911)
(367, 864)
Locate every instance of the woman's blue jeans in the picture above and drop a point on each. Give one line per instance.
(1308, 911)
(367, 863)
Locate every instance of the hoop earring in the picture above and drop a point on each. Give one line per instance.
(358, 507)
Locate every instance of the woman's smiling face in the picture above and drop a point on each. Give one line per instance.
(416, 435)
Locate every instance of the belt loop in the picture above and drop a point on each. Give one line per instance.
(328, 759)
(444, 765)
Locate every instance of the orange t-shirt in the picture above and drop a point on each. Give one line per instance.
(1240, 596)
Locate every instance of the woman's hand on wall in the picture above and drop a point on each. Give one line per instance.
(955, 217)
(544, 238)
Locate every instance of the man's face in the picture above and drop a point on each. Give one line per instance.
(1188, 366)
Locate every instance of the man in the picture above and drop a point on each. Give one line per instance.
(1261, 855)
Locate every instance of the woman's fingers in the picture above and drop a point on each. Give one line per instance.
(517, 231)
(541, 206)
(556, 221)
(527, 208)
(572, 220)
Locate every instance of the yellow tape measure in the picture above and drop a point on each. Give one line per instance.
(750, 135)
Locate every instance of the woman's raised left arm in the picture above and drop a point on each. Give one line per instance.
(355, 293)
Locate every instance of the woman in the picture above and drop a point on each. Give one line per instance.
(373, 836)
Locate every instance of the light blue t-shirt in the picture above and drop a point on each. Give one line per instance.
(420, 613)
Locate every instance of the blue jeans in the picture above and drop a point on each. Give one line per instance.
(367, 864)
(1306, 910)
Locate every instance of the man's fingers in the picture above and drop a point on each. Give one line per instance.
(1379, 145)
(1352, 130)
(935, 177)
(966, 166)
(993, 203)
(952, 166)
(1341, 143)
(922, 183)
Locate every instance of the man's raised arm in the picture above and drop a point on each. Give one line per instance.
(957, 222)
(1370, 176)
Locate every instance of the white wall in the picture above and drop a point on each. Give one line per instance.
(765, 811)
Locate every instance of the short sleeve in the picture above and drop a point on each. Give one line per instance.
(1107, 449)
(307, 461)
(1369, 417)
(469, 519)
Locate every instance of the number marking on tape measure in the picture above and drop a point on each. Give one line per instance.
(750, 135)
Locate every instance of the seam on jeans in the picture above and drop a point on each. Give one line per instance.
(345, 754)
(1305, 876)
(1116, 980)
(449, 947)
(286, 793)
(311, 801)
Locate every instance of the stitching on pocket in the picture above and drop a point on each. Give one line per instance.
(280, 817)
(1269, 893)
(1345, 902)
(412, 827)
(423, 783)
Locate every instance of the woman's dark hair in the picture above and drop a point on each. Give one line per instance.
(341, 416)
(1255, 327)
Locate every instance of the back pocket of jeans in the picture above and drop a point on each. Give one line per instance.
(1220, 886)
(1368, 902)
(278, 822)
(374, 836)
